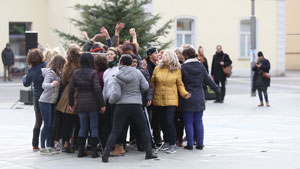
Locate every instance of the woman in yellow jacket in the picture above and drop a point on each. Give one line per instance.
(167, 83)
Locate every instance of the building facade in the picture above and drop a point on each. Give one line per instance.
(292, 35)
(196, 22)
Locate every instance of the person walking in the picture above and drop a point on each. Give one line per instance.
(34, 75)
(8, 59)
(220, 60)
(48, 100)
(194, 75)
(261, 78)
(167, 82)
(129, 84)
(89, 102)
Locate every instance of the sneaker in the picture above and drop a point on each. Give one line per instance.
(164, 147)
(44, 151)
(35, 149)
(58, 145)
(171, 150)
(52, 151)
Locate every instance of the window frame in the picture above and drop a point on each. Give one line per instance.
(193, 31)
(240, 32)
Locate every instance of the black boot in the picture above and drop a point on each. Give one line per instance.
(149, 153)
(81, 147)
(35, 138)
(105, 156)
(94, 142)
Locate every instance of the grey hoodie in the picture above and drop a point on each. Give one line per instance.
(50, 93)
(128, 86)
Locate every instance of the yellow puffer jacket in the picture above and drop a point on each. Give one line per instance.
(166, 85)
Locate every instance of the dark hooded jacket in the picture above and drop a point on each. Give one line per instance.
(35, 76)
(85, 79)
(194, 75)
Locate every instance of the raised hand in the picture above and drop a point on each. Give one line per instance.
(132, 32)
(98, 36)
(85, 35)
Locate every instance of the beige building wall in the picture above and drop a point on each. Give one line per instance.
(35, 11)
(216, 22)
(292, 35)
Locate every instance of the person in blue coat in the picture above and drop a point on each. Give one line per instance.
(261, 83)
(194, 75)
(34, 75)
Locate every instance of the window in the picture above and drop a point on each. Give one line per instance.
(245, 38)
(17, 42)
(185, 32)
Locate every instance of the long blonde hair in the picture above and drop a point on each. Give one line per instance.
(173, 61)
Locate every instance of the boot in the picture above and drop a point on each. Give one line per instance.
(81, 147)
(35, 139)
(68, 148)
(105, 156)
(118, 151)
(149, 154)
(94, 142)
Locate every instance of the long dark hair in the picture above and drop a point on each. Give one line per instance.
(87, 60)
(189, 53)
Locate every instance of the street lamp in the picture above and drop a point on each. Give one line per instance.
(253, 44)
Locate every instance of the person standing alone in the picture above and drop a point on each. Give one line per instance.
(8, 59)
(261, 78)
(220, 61)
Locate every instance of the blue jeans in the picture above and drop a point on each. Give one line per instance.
(48, 114)
(84, 124)
(260, 91)
(191, 120)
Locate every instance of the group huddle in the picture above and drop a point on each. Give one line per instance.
(88, 99)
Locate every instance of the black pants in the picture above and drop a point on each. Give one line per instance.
(223, 89)
(264, 91)
(122, 113)
(155, 125)
(69, 121)
(59, 125)
(167, 122)
(106, 123)
(179, 125)
(38, 122)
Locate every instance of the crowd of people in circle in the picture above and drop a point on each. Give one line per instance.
(88, 99)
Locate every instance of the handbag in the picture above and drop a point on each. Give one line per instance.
(227, 70)
(266, 76)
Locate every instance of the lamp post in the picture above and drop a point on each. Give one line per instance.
(253, 44)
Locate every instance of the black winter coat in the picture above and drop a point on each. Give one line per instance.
(90, 98)
(150, 66)
(148, 95)
(259, 82)
(194, 75)
(217, 69)
(8, 57)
